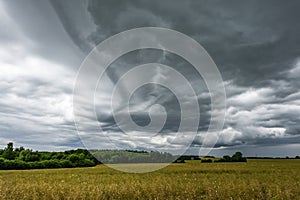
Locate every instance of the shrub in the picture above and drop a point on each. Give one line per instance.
(206, 161)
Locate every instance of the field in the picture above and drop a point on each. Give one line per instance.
(256, 179)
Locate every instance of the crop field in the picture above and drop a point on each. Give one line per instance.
(256, 179)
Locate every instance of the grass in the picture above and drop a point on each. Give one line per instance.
(256, 179)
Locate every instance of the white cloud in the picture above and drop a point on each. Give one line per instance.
(252, 96)
(36, 94)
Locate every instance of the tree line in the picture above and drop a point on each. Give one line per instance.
(132, 156)
(21, 158)
(236, 157)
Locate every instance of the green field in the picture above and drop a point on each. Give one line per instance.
(256, 179)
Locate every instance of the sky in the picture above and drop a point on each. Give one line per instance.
(255, 45)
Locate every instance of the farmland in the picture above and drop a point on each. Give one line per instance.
(256, 179)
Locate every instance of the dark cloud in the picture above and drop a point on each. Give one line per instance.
(250, 41)
(254, 44)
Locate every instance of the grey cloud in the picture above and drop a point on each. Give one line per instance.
(254, 44)
(38, 26)
(250, 41)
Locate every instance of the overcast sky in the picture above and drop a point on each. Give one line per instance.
(255, 45)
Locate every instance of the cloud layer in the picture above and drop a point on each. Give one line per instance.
(254, 44)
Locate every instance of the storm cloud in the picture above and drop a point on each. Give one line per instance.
(255, 45)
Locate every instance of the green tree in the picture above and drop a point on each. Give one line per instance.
(238, 156)
(32, 157)
(74, 158)
(8, 152)
(227, 158)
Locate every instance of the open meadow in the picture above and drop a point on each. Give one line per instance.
(256, 179)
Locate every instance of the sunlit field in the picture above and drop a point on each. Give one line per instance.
(256, 179)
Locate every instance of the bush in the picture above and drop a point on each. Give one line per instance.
(206, 161)
(237, 157)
